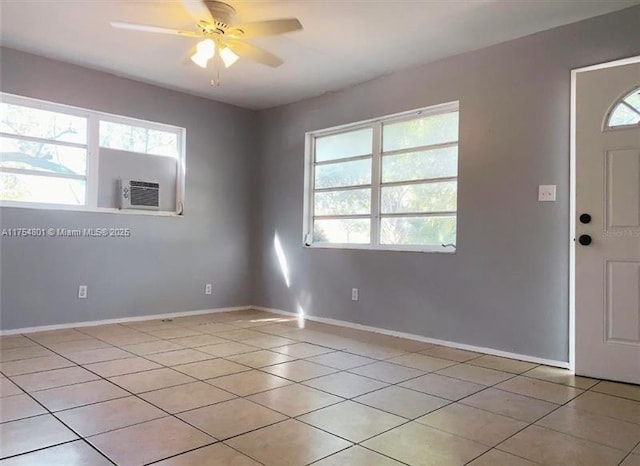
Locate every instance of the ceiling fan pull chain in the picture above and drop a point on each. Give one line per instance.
(215, 82)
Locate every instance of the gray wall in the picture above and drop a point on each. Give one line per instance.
(165, 263)
(507, 285)
(506, 288)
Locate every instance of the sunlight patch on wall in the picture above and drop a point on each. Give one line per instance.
(282, 260)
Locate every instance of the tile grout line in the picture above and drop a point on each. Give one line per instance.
(534, 423)
(50, 413)
(408, 420)
(338, 371)
(361, 446)
(344, 350)
(85, 439)
(217, 441)
(514, 375)
(301, 359)
(131, 393)
(630, 453)
(287, 416)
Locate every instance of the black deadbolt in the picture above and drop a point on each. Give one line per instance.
(585, 240)
(585, 218)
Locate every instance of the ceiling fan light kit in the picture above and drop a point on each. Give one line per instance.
(214, 28)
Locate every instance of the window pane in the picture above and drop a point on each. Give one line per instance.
(33, 188)
(623, 115)
(16, 153)
(26, 121)
(334, 175)
(342, 231)
(349, 202)
(340, 146)
(430, 231)
(162, 143)
(428, 197)
(138, 139)
(435, 129)
(438, 163)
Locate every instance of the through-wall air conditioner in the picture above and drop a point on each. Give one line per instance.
(135, 194)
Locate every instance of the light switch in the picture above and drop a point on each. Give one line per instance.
(547, 193)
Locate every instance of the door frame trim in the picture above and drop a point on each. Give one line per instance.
(572, 198)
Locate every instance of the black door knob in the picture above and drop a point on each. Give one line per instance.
(585, 240)
(585, 218)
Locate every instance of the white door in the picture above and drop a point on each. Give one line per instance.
(607, 273)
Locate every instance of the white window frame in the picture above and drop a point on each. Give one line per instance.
(93, 152)
(376, 182)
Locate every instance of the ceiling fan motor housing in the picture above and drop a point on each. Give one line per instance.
(222, 14)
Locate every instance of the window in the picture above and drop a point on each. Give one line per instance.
(58, 156)
(385, 184)
(43, 155)
(626, 111)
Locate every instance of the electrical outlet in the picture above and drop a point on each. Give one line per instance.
(82, 292)
(547, 193)
(207, 288)
(354, 294)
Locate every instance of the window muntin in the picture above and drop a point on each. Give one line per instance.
(626, 111)
(401, 195)
(49, 152)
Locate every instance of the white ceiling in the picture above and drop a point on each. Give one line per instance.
(344, 42)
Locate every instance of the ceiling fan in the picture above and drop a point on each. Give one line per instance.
(214, 27)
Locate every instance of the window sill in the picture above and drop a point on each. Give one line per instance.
(424, 249)
(100, 210)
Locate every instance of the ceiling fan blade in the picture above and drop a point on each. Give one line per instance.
(246, 50)
(198, 10)
(156, 29)
(265, 28)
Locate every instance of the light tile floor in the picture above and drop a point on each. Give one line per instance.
(250, 388)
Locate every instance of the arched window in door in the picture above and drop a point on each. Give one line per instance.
(625, 113)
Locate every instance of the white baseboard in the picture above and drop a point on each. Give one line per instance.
(122, 320)
(324, 320)
(410, 336)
